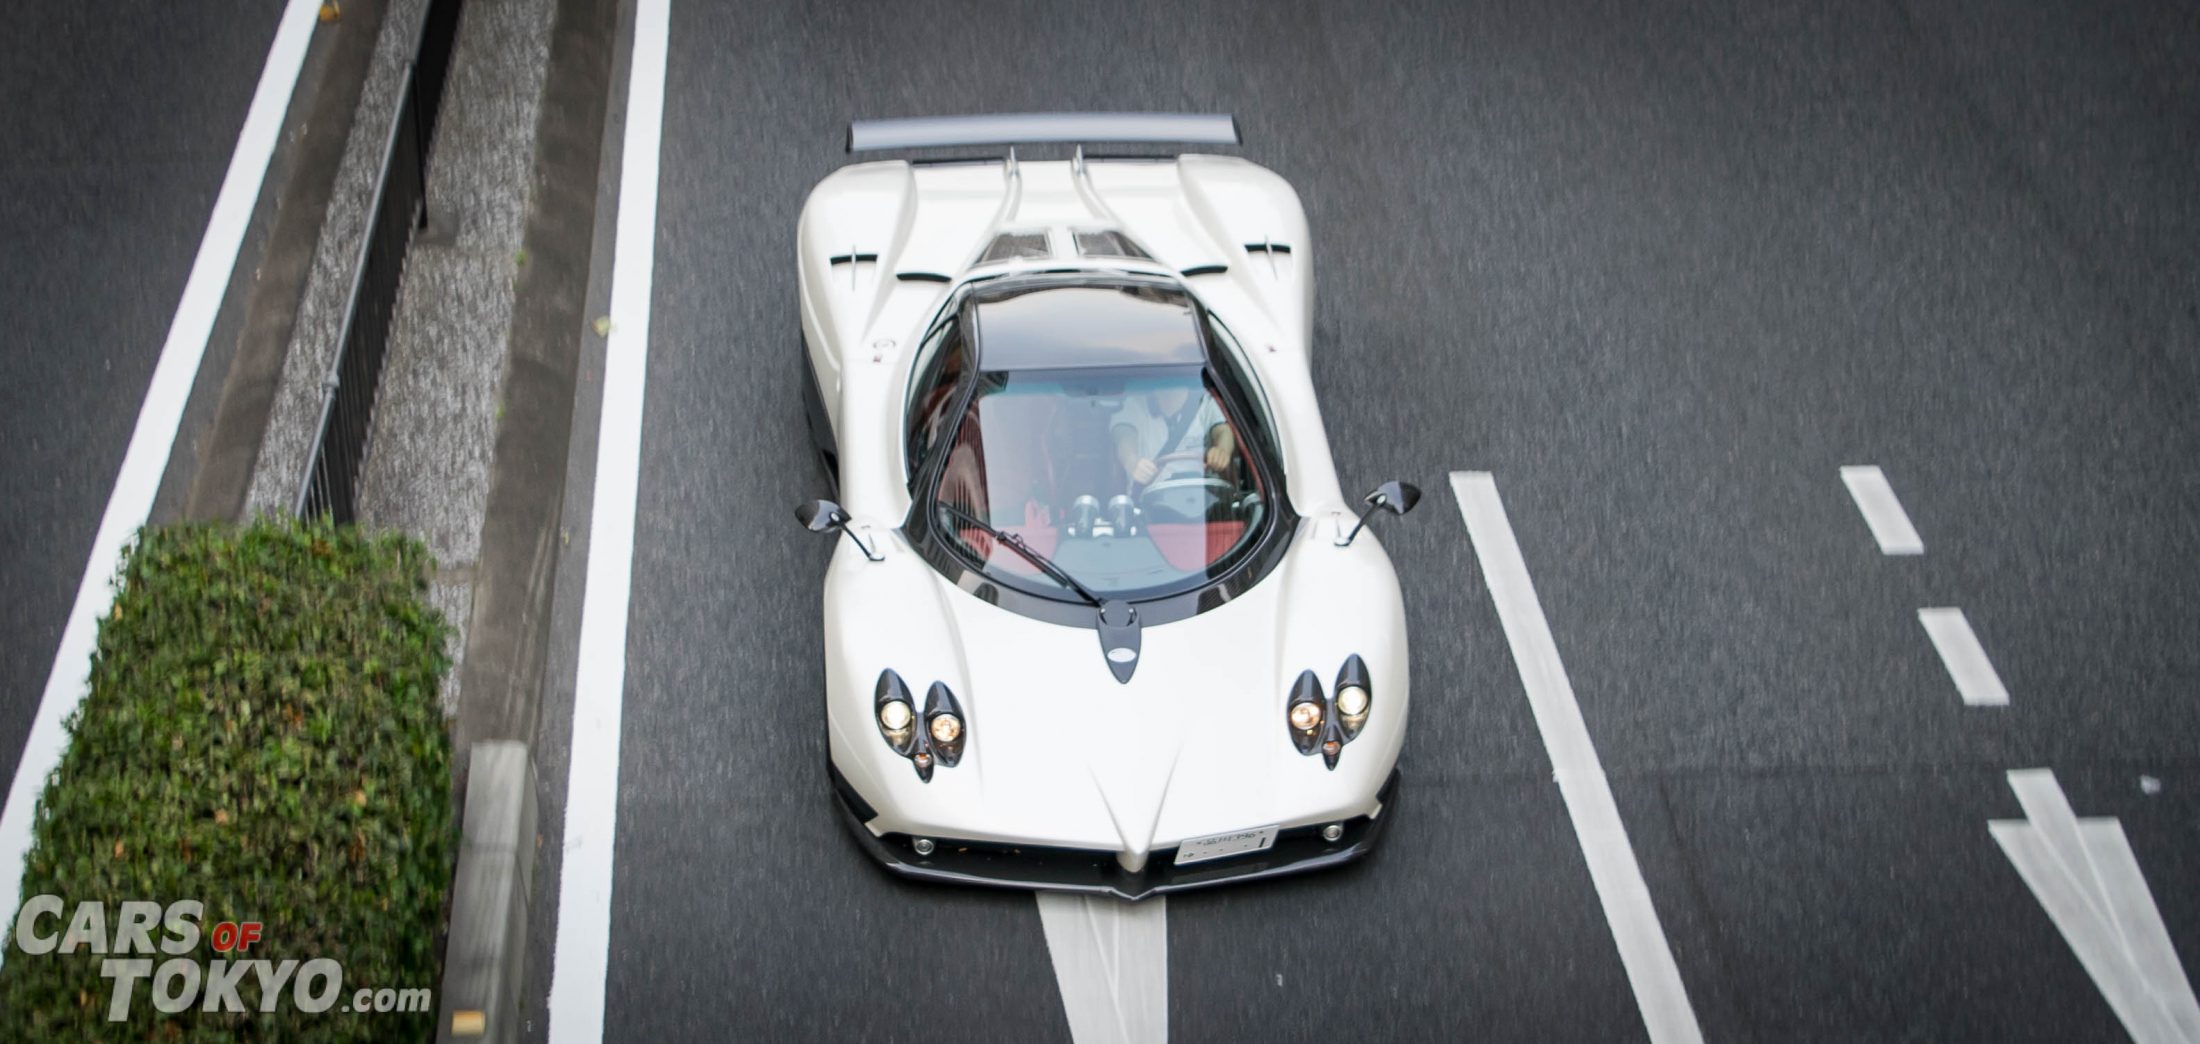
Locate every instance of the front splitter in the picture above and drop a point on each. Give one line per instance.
(1097, 872)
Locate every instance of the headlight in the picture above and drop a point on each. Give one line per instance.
(943, 718)
(1352, 702)
(938, 743)
(1324, 723)
(1355, 697)
(1303, 712)
(891, 704)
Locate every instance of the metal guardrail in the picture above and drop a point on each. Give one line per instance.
(331, 483)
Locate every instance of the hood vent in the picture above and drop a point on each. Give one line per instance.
(1011, 246)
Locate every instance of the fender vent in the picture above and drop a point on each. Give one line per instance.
(1279, 254)
(1010, 246)
(852, 258)
(1110, 243)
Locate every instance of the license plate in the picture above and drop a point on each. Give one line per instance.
(1215, 846)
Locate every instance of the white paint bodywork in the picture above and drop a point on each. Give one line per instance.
(1059, 753)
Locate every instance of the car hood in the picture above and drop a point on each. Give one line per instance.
(1195, 743)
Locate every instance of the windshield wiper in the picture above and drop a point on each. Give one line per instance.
(1117, 621)
(1016, 543)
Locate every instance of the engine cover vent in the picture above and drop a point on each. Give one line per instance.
(1110, 243)
(1011, 246)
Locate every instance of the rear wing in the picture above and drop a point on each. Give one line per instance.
(1022, 128)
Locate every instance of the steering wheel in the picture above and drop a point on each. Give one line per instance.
(1186, 497)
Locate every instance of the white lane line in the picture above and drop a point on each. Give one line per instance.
(592, 772)
(1974, 674)
(1111, 959)
(2086, 877)
(150, 442)
(1666, 1011)
(1882, 512)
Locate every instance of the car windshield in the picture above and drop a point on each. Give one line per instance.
(1135, 481)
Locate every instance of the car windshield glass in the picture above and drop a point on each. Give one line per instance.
(1136, 481)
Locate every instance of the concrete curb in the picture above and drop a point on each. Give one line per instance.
(513, 582)
(484, 963)
(507, 638)
(552, 711)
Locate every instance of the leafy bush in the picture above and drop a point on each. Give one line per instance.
(263, 735)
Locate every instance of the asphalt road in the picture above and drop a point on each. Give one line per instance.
(117, 126)
(1662, 269)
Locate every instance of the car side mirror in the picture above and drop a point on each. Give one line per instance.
(1394, 496)
(824, 516)
(820, 516)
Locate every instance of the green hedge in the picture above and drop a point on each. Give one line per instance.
(263, 735)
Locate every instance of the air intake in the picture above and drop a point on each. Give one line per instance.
(1110, 243)
(1011, 246)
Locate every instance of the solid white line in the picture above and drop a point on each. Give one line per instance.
(1966, 660)
(1882, 512)
(1666, 1011)
(1111, 960)
(2087, 879)
(2049, 812)
(2092, 943)
(2139, 923)
(150, 442)
(592, 772)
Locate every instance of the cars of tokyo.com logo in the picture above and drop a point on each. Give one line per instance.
(145, 932)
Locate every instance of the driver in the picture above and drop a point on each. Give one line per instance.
(1170, 419)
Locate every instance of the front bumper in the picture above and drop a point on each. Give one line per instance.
(1094, 871)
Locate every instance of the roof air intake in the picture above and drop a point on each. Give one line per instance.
(1110, 243)
(1010, 246)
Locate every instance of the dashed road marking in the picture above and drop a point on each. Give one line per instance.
(2085, 876)
(1111, 960)
(1875, 498)
(151, 441)
(1974, 674)
(599, 688)
(1643, 950)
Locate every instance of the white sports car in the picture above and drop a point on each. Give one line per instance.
(1104, 620)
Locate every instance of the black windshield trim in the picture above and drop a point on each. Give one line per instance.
(1263, 551)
